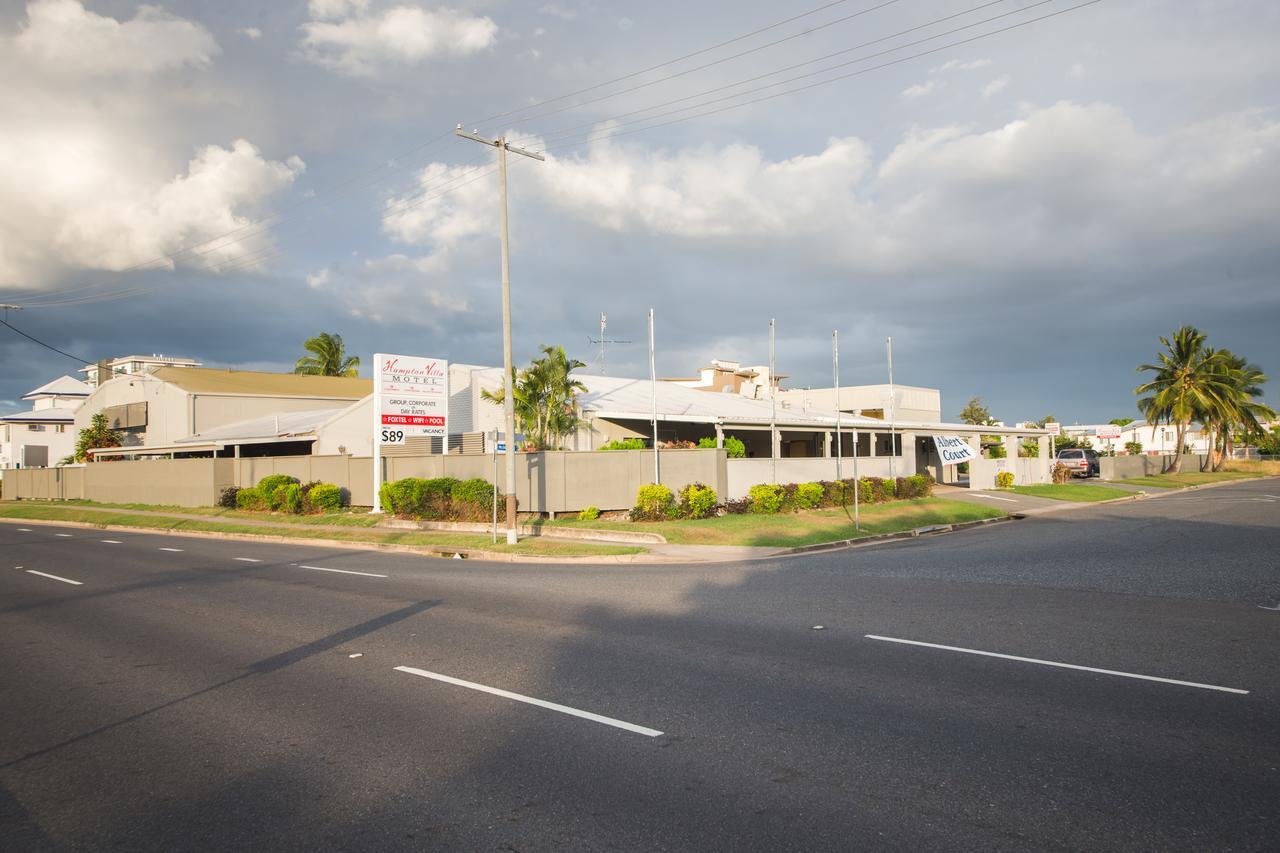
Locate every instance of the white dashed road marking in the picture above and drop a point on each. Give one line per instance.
(1059, 664)
(63, 535)
(994, 498)
(54, 577)
(341, 571)
(112, 541)
(172, 550)
(247, 559)
(24, 529)
(541, 703)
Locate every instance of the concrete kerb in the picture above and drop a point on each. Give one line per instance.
(915, 533)
(624, 537)
(1136, 496)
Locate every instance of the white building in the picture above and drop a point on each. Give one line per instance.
(1156, 439)
(45, 434)
(129, 364)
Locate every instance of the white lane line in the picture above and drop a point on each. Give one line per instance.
(172, 550)
(111, 541)
(54, 577)
(341, 571)
(994, 498)
(1059, 664)
(247, 559)
(541, 703)
(63, 535)
(24, 529)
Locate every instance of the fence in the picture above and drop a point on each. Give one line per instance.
(1027, 470)
(742, 474)
(1124, 467)
(553, 481)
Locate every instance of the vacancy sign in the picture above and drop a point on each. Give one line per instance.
(952, 449)
(411, 397)
(1107, 431)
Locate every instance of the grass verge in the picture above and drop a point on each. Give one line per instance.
(1069, 492)
(349, 518)
(805, 528)
(1189, 478)
(531, 546)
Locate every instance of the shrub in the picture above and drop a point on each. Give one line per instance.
(271, 482)
(915, 486)
(591, 513)
(1004, 480)
(1061, 473)
(809, 495)
(324, 497)
(737, 506)
(707, 442)
(1133, 448)
(766, 498)
(386, 497)
(472, 500)
(252, 499)
(836, 492)
(624, 444)
(735, 448)
(228, 498)
(697, 501)
(654, 502)
(291, 498)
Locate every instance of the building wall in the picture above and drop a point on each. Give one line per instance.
(167, 413)
(913, 403)
(15, 436)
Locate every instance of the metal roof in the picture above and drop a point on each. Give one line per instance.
(51, 416)
(287, 426)
(207, 380)
(63, 386)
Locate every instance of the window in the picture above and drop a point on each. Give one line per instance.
(35, 427)
(61, 428)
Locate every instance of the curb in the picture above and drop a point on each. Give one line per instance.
(421, 550)
(620, 537)
(1137, 496)
(915, 533)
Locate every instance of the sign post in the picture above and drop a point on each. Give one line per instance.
(953, 450)
(410, 400)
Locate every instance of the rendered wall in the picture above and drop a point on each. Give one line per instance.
(742, 474)
(1124, 467)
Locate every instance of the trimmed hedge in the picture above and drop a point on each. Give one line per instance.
(1004, 479)
(653, 503)
(697, 501)
(250, 499)
(439, 498)
(767, 498)
(624, 444)
(324, 497)
(281, 493)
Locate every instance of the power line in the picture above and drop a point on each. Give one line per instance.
(9, 325)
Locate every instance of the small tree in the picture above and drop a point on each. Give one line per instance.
(976, 412)
(1133, 448)
(1120, 422)
(98, 434)
(328, 357)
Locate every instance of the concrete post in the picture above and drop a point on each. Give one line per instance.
(871, 445)
(826, 445)
(719, 437)
(1010, 443)
(907, 464)
(777, 443)
(1046, 457)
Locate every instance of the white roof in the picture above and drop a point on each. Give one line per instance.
(63, 386)
(42, 416)
(285, 425)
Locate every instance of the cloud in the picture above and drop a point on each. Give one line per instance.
(396, 288)
(63, 36)
(251, 33)
(919, 90)
(961, 65)
(995, 86)
(91, 176)
(1076, 72)
(345, 37)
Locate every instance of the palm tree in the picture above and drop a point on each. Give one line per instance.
(1190, 381)
(328, 357)
(1239, 411)
(545, 398)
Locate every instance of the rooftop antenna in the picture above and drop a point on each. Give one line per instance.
(602, 340)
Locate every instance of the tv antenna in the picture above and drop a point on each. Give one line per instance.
(603, 341)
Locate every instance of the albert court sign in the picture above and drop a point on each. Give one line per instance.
(952, 449)
(411, 398)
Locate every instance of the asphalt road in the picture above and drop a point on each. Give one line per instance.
(199, 694)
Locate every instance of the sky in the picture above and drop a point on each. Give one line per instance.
(1024, 211)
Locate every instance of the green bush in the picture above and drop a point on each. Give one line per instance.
(809, 495)
(735, 448)
(915, 486)
(697, 501)
(653, 503)
(324, 497)
(1133, 448)
(387, 498)
(228, 498)
(271, 482)
(252, 499)
(472, 500)
(591, 513)
(1004, 480)
(624, 444)
(291, 498)
(766, 498)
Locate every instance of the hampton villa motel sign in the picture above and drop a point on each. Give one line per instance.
(410, 399)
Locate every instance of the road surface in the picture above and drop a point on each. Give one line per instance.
(1104, 679)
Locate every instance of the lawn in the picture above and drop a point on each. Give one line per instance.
(346, 518)
(531, 545)
(1189, 478)
(1069, 492)
(806, 528)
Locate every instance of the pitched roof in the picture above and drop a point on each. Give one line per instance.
(63, 386)
(42, 416)
(207, 380)
(288, 424)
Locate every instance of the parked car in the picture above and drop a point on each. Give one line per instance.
(1083, 462)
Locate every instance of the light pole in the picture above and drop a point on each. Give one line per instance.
(508, 367)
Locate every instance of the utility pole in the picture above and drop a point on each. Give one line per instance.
(653, 397)
(604, 322)
(835, 366)
(508, 367)
(773, 401)
(893, 432)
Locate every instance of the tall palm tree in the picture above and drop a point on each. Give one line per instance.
(1239, 412)
(328, 357)
(545, 398)
(1189, 382)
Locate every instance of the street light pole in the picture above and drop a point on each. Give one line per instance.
(835, 366)
(773, 403)
(508, 366)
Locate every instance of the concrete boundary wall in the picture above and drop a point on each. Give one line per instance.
(745, 473)
(554, 481)
(1125, 467)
